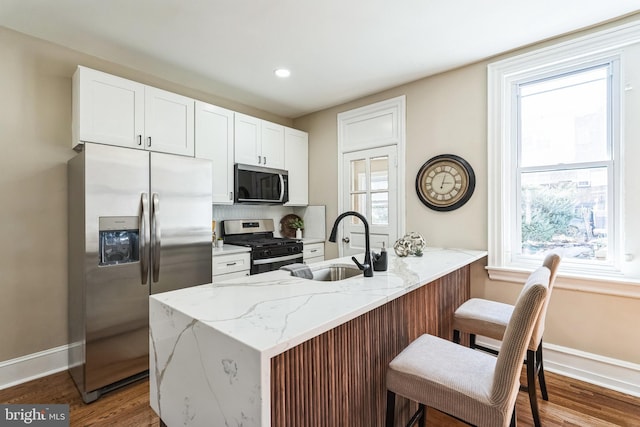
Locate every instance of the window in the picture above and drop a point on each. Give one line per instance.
(557, 165)
(376, 188)
(565, 166)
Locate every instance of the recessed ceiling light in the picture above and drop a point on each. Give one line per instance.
(282, 72)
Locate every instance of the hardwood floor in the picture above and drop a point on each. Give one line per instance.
(572, 403)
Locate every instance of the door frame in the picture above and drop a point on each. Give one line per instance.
(390, 116)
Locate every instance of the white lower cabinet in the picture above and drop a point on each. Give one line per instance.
(313, 252)
(230, 266)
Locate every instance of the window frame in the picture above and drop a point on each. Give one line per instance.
(503, 190)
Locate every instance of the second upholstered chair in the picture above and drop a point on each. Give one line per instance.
(473, 386)
(490, 318)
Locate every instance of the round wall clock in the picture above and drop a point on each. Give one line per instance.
(445, 182)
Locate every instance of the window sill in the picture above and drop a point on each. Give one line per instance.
(606, 285)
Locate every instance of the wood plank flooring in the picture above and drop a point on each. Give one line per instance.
(572, 403)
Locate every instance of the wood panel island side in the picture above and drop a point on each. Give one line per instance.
(276, 350)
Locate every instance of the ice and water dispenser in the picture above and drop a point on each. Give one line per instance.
(119, 240)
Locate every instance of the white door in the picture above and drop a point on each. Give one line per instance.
(370, 187)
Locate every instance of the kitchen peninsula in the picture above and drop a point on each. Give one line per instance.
(277, 350)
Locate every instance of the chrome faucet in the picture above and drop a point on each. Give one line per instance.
(366, 266)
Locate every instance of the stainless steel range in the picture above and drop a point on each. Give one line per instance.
(268, 253)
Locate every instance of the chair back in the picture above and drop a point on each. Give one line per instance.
(551, 261)
(506, 379)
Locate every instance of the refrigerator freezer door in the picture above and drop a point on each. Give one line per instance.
(116, 298)
(181, 217)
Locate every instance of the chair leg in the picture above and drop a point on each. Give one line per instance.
(423, 417)
(456, 336)
(472, 340)
(514, 419)
(531, 386)
(391, 408)
(540, 370)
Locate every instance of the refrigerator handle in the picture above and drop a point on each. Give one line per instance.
(144, 238)
(155, 236)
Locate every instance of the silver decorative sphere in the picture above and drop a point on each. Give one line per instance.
(409, 244)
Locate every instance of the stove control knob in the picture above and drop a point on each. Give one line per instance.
(294, 249)
(266, 252)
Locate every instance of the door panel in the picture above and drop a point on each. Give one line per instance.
(111, 109)
(169, 122)
(370, 188)
(183, 218)
(214, 141)
(116, 299)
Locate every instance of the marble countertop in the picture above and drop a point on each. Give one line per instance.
(274, 311)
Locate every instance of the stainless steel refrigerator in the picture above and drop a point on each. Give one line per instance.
(139, 224)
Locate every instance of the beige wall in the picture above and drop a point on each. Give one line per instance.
(35, 144)
(447, 113)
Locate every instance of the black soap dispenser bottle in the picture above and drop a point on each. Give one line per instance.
(380, 261)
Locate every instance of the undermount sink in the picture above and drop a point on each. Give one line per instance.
(334, 273)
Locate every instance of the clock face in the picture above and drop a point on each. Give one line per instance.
(445, 182)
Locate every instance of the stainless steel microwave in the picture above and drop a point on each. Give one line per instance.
(259, 185)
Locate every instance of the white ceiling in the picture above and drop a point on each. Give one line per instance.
(337, 50)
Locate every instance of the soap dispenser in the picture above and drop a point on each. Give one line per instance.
(380, 260)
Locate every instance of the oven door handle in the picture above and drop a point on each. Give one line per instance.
(276, 259)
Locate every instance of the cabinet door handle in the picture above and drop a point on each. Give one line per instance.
(230, 195)
(139, 139)
(259, 159)
(265, 160)
(148, 141)
(313, 250)
(229, 264)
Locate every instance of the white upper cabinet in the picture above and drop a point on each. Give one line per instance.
(258, 142)
(111, 110)
(272, 145)
(168, 122)
(248, 139)
(296, 161)
(214, 141)
(107, 109)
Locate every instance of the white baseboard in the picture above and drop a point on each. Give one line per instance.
(32, 366)
(592, 368)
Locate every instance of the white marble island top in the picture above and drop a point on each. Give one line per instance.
(211, 344)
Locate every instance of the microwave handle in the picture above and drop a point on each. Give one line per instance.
(281, 187)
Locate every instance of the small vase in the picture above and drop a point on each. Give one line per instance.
(298, 233)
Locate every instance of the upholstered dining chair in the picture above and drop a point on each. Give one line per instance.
(473, 386)
(479, 316)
